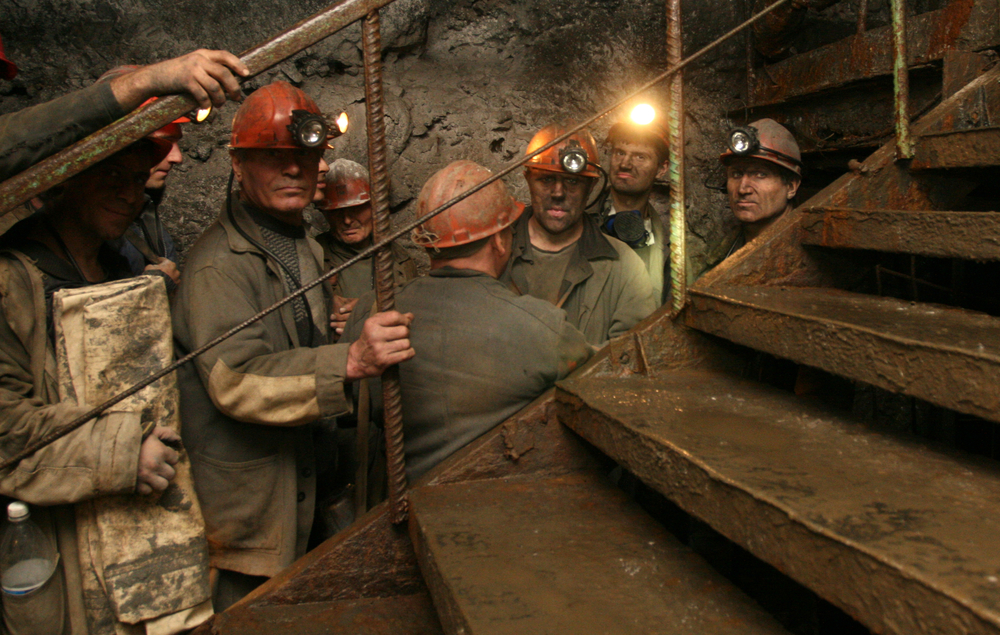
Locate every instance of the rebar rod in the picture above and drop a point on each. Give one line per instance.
(392, 397)
(862, 16)
(675, 119)
(901, 80)
(139, 123)
(98, 410)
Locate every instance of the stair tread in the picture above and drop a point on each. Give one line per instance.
(845, 510)
(945, 355)
(565, 555)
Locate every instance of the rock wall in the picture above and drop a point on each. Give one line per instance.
(464, 79)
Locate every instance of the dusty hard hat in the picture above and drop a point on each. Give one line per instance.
(346, 186)
(8, 69)
(267, 117)
(480, 215)
(773, 142)
(551, 159)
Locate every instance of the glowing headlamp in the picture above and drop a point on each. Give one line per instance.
(308, 129)
(643, 114)
(572, 157)
(744, 141)
(339, 125)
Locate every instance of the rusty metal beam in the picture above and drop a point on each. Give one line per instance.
(964, 24)
(675, 122)
(139, 123)
(968, 235)
(901, 80)
(566, 555)
(976, 148)
(902, 538)
(949, 357)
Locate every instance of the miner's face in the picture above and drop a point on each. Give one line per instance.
(109, 196)
(351, 225)
(634, 167)
(558, 199)
(280, 182)
(757, 190)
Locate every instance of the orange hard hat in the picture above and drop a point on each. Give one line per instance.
(478, 216)
(550, 160)
(768, 140)
(8, 69)
(346, 186)
(267, 117)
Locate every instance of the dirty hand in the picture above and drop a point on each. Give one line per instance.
(157, 461)
(168, 267)
(206, 75)
(342, 308)
(384, 341)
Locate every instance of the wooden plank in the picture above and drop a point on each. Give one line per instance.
(949, 357)
(969, 235)
(904, 539)
(565, 555)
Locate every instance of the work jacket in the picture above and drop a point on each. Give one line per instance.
(335, 253)
(247, 403)
(483, 353)
(605, 290)
(655, 254)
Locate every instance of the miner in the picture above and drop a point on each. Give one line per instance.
(484, 352)
(639, 153)
(763, 174)
(251, 404)
(347, 206)
(561, 255)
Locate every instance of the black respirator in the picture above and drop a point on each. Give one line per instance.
(628, 227)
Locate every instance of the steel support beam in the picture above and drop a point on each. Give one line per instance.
(975, 148)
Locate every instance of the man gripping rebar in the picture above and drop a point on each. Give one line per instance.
(252, 404)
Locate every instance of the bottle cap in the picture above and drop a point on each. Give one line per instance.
(17, 511)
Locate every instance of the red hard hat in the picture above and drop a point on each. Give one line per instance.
(549, 160)
(346, 186)
(164, 137)
(777, 145)
(8, 69)
(264, 117)
(481, 215)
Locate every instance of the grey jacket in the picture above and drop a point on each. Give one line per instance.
(606, 286)
(483, 353)
(247, 403)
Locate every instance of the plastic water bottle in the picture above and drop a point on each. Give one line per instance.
(27, 557)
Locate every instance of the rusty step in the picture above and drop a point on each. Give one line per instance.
(566, 554)
(968, 235)
(947, 356)
(904, 539)
(968, 148)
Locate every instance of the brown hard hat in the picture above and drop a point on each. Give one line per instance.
(550, 159)
(776, 144)
(480, 215)
(265, 117)
(8, 69)
(655, 133)
(346, 186)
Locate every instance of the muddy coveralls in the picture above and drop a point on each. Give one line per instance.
(605, 290)
(483, 353)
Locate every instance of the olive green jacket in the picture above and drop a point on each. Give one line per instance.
(335, 253)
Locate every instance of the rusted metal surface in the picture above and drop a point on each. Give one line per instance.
(904, 539)
(675, 123)
(862, 15)
(901, 80)
(947, 356)
(969, 235)
(963, 149)
(591, 562)
(403, 615)
(963, 24)
(139, 123)
(960, 68)
(392, 395)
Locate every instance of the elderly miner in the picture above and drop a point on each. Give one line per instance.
(560, 254)
(484, 352)
(252, 404)
(346, 204)
(763, 174)
(95, 477)
(639, 155)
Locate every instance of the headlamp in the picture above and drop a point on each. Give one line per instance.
(308, 129)
(339, 125)
(202, 115)
(572, 157)
(744, 141)
(643, 114)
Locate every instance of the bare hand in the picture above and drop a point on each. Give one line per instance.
(342, 308)
(168, 267)
(384, 341)
(156, 461)
(206, 75)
